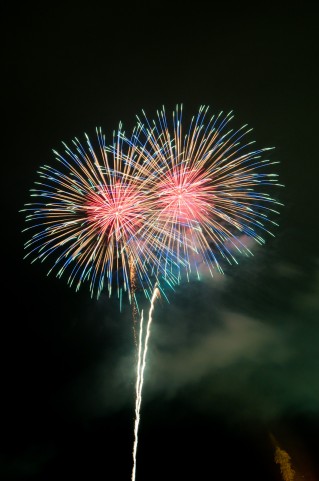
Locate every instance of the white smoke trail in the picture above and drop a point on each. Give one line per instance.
(141, 362)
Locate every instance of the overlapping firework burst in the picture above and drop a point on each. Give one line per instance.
(157, 203)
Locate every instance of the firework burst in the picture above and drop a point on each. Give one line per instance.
(91, 218)
(154, 205)
(207, 185)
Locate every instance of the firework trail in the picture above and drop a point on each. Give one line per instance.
(133, 299)
(140, 374)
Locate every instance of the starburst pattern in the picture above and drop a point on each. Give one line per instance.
(91, 217)
(209, 188)
(153, 205)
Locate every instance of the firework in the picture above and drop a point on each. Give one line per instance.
(150, 207)
(92, 216)
(207, 188)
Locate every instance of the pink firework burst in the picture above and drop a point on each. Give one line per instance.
(115, 210)
(209, 189)
(181, 196)
(91, 216)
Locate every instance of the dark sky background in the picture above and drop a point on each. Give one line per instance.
(231, 359)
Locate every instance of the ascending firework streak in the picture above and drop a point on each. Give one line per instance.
(140, 374)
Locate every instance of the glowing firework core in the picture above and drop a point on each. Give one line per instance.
(116, 211)
(181, 196)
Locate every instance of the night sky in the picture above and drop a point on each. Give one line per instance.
(233, 361)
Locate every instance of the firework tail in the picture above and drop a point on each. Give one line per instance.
(137, 414)
(141, 362)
